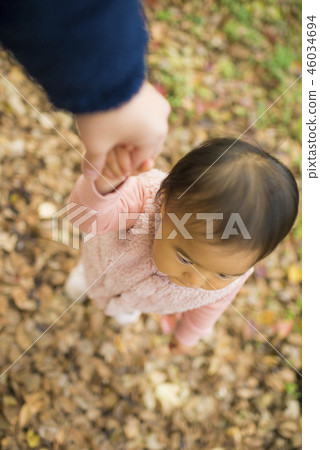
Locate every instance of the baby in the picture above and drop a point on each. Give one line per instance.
(181, 244)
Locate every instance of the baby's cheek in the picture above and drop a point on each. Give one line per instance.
(225, 283)
(217, 283)
(164, 264)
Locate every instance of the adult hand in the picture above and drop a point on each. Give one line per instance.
(115, 171)
(140, 124)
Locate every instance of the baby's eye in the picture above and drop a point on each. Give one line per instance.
(183, 260)
(222, 276)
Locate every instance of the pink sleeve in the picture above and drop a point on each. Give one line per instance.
(94, 210)
(198, 322)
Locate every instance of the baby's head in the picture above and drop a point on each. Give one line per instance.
(254, 199)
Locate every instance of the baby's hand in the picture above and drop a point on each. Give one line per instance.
(119, 163)
(118, 167)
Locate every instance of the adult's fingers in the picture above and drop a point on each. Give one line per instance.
(92, 130)
(147, 151)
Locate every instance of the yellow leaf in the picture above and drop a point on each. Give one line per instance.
(13, 198)
(118, 343)
(33, 439)
(294, 274)
(266, 317)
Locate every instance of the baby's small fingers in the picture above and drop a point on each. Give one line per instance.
(112, 165)
(108, 174)
(124, 160)
(148, 164)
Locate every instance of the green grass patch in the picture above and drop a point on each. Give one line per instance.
(292, 389)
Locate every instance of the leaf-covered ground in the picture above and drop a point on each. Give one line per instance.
(89, 384)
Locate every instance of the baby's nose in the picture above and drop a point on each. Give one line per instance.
(193, 278)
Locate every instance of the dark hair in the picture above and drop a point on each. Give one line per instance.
(231, 176)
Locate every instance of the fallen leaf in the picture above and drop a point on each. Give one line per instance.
(33, 439)
(283, 328)
(294, 274)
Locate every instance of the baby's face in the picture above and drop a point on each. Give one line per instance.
(198, 264)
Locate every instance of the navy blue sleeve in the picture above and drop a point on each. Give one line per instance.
(89, 55)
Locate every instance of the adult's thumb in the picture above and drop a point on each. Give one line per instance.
(92, 167)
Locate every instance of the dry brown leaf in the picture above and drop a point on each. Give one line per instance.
(21, 300)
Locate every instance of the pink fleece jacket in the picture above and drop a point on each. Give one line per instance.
(120, 269)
